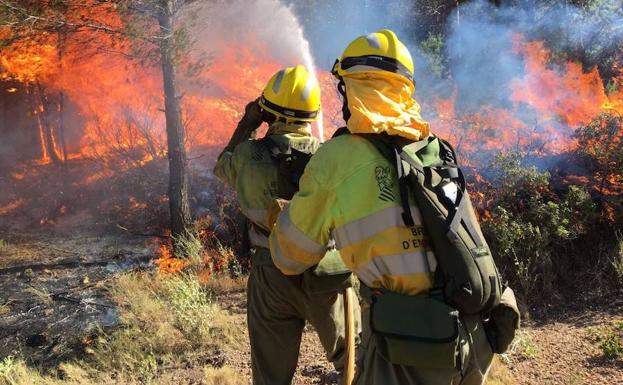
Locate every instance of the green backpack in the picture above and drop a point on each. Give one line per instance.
(466, 277)
(290, 164)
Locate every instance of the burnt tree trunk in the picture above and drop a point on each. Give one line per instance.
(48, 136)
(61, 100)
(178, 181)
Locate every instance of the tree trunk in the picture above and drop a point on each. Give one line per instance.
(178, 184)
(61, 100)
(47, 126)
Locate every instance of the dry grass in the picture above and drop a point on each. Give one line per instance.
(499, 374)
(16, 372)
(41, 295)
(5, 309)
(12, 254)
(170, 330)
(226, 284)
(223, 376)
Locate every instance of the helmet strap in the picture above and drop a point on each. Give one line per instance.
(341, 88)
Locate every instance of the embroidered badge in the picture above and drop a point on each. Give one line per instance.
(384, 179)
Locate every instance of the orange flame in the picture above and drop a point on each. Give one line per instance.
(8, 208)
(561, 97)
(167, 263)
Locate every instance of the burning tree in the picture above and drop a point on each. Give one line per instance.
(146, 31)
(169, 42)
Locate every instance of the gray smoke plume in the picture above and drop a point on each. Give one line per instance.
(480, 39)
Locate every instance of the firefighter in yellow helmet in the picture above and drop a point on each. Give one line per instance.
(262, 170)
(353, 191)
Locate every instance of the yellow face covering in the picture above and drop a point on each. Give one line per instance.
(279, 127)
(383, 103)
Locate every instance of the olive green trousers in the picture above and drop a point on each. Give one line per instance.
(277, 308)
(373, 369)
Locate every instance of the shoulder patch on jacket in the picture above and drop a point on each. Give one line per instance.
(385, 182)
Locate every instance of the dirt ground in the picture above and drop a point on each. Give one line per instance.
(70, 272)
(557, 351)
(563, 349)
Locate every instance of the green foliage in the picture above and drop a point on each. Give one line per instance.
(192, 307)
(611, 87)
(515, 181)
(610, 339)
(188, 246)
(433, 49)
(522, 346)
(533, 232)
(548, 237)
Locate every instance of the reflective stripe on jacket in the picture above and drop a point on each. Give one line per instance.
(251, 171)
(349, 192)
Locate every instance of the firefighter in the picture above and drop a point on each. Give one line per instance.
(262, 170)
(351, 191)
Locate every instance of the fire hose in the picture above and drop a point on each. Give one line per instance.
(349, 338)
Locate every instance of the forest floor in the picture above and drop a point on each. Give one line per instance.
(92, 309)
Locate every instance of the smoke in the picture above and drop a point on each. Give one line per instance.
(480, 42)
(330, 25)
(267, 28)
(269, 22)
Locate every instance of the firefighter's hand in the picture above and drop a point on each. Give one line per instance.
(253, 114)
(275, 208)
(247, 126)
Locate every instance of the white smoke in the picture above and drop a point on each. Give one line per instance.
(269, 22)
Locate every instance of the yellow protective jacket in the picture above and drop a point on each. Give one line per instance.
(349, 192)
(250, 169)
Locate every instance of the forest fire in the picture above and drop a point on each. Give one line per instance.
(107, 106)
(127, 241)
(74, 118)
(547, 104)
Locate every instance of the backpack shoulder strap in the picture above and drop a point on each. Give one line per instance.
(341, 131)
(447, 153)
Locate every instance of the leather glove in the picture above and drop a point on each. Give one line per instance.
(247, 126)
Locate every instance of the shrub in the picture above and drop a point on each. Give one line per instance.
(601, 146)
(610, 339)
(544, 242)
(193, 309)
(188, 246)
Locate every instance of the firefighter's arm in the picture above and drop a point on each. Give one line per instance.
(299, 238)
(225, 168)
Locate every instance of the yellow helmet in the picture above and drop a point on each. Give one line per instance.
(378, 51)
(292, 93)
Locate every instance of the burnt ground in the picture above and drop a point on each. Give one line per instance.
(54, 299)
(53, 291)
